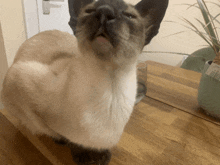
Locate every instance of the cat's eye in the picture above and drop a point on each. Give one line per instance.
(129, 15)
(89, 11)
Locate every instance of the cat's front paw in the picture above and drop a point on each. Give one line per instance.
(91, 157)
(61, 141)
(141, 91)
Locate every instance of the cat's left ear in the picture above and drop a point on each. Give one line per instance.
(153, 12)
(74, 9)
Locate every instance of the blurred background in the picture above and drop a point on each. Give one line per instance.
(21, 19)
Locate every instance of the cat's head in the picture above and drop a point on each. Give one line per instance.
(114, 28)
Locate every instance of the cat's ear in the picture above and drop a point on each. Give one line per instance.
(74, 9)
(153, 12)
(79, 4)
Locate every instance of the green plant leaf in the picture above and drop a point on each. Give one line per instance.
(212, 20)
(214, 3)
(190, 5)
(209, 24)
(197, 31)
(194, 5)
(215, 18)
(204, 26)
(175, 34)
(178, 53)
(210, 35)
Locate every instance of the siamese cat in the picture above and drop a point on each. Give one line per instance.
(81, 90)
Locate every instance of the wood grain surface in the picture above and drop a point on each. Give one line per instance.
(166, 128)
(174, 86)
(16, 149)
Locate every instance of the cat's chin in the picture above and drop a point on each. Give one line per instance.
(102, 45)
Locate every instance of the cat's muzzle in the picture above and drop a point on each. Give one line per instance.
(106, 16)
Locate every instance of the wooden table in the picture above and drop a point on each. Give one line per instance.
(166, 128)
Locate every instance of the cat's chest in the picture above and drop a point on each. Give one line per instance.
(112, 109)
(102, 118)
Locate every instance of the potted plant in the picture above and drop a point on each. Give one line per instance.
(209, 87)
(206, 60)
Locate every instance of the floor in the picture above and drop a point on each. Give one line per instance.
(164, 129)
(149, 139)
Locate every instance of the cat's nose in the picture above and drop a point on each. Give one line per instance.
(105, 13)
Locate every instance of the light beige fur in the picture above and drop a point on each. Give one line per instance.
(83, 89)
(55, 89)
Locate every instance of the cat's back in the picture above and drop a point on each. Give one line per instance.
(41, 59)
(41, 64)
(47, 46)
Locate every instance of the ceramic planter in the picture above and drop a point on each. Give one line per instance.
(209, 93)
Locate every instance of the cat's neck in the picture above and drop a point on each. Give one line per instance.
(114, 65)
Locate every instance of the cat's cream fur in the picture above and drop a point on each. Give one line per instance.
(76, 96)
(81, 89)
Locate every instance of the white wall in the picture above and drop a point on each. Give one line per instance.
(13, 26)
(3, 62)
(186, 42)
(14, 34)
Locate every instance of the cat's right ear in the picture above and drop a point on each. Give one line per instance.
(153, 12)
(74, 9)
(77, 5)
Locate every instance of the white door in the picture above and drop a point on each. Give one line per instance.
(42, 15)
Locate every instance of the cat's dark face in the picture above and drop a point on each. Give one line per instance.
(113, 27)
